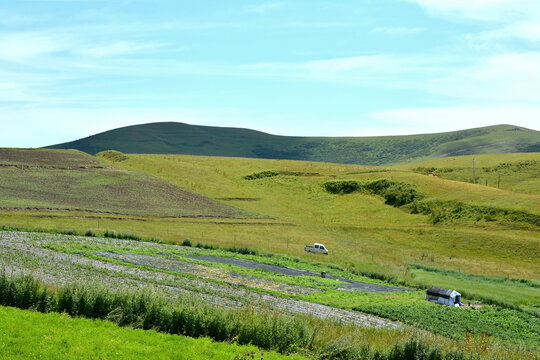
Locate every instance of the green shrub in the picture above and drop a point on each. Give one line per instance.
(394, 193)
(112, 155)
(341, 187)
(262, 174)
(186, 242)
(206, 246)
(124, 236)
(90, 233)
(68, 232)
(400, 194)
(242, 250)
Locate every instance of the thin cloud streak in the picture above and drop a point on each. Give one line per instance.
(422, 120)
(397, 31)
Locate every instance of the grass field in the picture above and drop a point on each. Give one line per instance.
(515, 172)
(478, 239)
(492, 332)
(29, 335)
(178, 138)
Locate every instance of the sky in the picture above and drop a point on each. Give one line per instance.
(73, 68)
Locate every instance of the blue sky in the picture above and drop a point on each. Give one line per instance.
(72, 68)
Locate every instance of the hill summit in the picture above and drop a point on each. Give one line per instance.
(180, 138)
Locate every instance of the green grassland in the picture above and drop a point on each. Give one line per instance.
(481, 240)
(178, 138)
(362, 232)
(29, 335)
(515, 172)
(359, 229)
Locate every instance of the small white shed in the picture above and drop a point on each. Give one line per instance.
(443, 296)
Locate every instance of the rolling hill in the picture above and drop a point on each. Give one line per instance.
(71, 180)
(180, 138)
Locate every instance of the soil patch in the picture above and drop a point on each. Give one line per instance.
(172, 263)
(351, 285)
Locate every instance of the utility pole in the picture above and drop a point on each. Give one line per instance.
(473, 172)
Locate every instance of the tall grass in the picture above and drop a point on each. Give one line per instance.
(188, 316)
(150, 310)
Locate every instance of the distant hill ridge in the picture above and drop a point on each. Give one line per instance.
(180, 138)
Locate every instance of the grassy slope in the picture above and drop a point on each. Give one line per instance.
(359, 229)
(27, 335)
(516, 172)
(74, 180)
(178, 138)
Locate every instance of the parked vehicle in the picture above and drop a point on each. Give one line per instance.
(317, 248)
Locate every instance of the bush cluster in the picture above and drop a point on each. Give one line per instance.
(394, 193)
(187, 242)
(434, 170)
(112, 155)
(262, 174)
(242, 250)
(119, 235)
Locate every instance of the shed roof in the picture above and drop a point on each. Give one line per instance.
(441, 292)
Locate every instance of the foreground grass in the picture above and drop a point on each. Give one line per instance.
(320, 339)
(31, 335)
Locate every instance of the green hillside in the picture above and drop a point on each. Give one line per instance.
(71, 180)
(179, 138)
(516, 172)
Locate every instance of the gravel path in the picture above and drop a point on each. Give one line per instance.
(26, 252)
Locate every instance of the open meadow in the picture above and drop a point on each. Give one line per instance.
(387, 227)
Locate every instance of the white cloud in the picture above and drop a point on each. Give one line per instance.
(487, 10)
(513, 77)
(374, 69)
(397, 31)
(27, 45)
(118, 48)
(505, 78)
(423, 120)
(526, 30)
(262, 8)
